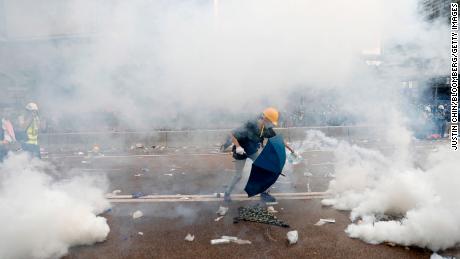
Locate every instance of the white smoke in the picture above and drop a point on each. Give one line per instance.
(42, 217)
(176, 63)
(393, 200)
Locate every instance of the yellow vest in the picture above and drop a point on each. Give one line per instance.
(32, 131)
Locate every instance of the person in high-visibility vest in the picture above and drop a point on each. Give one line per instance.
(31, 126)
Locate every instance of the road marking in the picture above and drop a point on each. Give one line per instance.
(129, 156)
(211, 197)
(203, 154)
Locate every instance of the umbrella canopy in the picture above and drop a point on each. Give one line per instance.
(267, 167)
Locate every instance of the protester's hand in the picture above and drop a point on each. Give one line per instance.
(295, 154)
(239, 150)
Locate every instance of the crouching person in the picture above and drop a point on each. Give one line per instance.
(247, 141)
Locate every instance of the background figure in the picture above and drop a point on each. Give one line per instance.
(31, 126)
(3, 150)
(428, 121)
(7, 136)
(441, 120)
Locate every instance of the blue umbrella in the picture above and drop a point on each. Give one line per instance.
(267, 167)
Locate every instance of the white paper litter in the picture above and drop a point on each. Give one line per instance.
(219, 218)
(137, 214)
(222, 210)
(219, 241)
(438, 256)
(271, 209)
(231, 238)
(189, 237)
(242, 242)
(292, 237)
(324, 221)
(307, 174)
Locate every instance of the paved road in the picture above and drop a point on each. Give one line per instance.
(165, 224)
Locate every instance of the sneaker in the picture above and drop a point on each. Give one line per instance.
(227, 197)
(267, 198)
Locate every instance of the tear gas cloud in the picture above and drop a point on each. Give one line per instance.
(42, 217)
(392, 198)
(182, 64)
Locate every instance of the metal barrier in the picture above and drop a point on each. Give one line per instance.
(199, 138)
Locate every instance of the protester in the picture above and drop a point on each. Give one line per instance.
(247, 141)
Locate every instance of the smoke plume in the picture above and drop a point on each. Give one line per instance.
(392, 198)
(192, 64)
(42, 216)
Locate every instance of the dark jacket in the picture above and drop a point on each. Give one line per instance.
(251, 137)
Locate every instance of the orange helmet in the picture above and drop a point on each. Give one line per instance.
(272, 115)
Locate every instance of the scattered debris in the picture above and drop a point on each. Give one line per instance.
(219, 241)
(390, 244)
(136, 195)
(228, 239)
(259, 215)
(80, 153)
(231, 238)
(116, 192)
(168, 174)
(145, 169)
(292, 237)
(437, 256)
(84, 162)
(137, 214)
(222, 210)
(219, 218)
(140, 233)
(189, 237)
(242, 242)
(324, 221)
(139, 145)
(137, 175)
(307, 174)
(271, 209)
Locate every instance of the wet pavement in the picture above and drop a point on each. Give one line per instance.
(164, 225)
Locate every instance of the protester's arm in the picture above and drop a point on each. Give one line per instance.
(235, 141)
